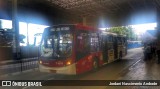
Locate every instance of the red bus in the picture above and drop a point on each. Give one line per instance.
(74, 49)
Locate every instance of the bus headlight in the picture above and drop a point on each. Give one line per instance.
(40, 62)
(68, 62)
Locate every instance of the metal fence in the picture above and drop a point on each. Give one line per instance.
(17, 66)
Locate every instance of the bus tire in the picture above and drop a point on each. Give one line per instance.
(95, 64)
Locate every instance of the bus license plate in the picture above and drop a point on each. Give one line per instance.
(53, 71)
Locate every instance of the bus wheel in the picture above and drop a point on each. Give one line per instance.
(95, 64)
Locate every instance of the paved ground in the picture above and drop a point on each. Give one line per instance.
(132, 67)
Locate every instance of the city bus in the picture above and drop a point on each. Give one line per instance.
(108, 50)
(122, 45)
(75, 49)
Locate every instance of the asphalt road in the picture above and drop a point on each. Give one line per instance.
(132, 67)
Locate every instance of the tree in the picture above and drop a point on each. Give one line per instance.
(123, 30)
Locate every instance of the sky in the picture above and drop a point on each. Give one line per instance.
(141, 28)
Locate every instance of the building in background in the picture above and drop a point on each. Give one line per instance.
(27, 29)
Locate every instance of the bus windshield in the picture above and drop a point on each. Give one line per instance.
(57, 45)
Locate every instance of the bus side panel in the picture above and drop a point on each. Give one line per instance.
(111, 55)
(119, 49)
(100, 56)
(124, 51)
(84, 64)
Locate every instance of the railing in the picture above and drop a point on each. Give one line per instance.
(17, 66)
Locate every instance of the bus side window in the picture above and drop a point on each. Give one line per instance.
(79, 43)
(110, 39)
(101, 42)
(94, 42)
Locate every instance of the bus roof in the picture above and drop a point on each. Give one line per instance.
(80, 27)
(121, 35)
(109, 33)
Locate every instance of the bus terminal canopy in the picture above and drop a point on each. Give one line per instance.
(115, 11)
(96, 7)
(92, 7)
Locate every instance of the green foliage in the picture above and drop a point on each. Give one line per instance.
(124, 30)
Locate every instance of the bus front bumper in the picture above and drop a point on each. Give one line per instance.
(69, 70)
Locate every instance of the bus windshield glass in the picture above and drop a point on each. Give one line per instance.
(57, 44)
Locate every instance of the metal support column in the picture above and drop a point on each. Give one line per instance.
(158, 25)
(15, 27)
